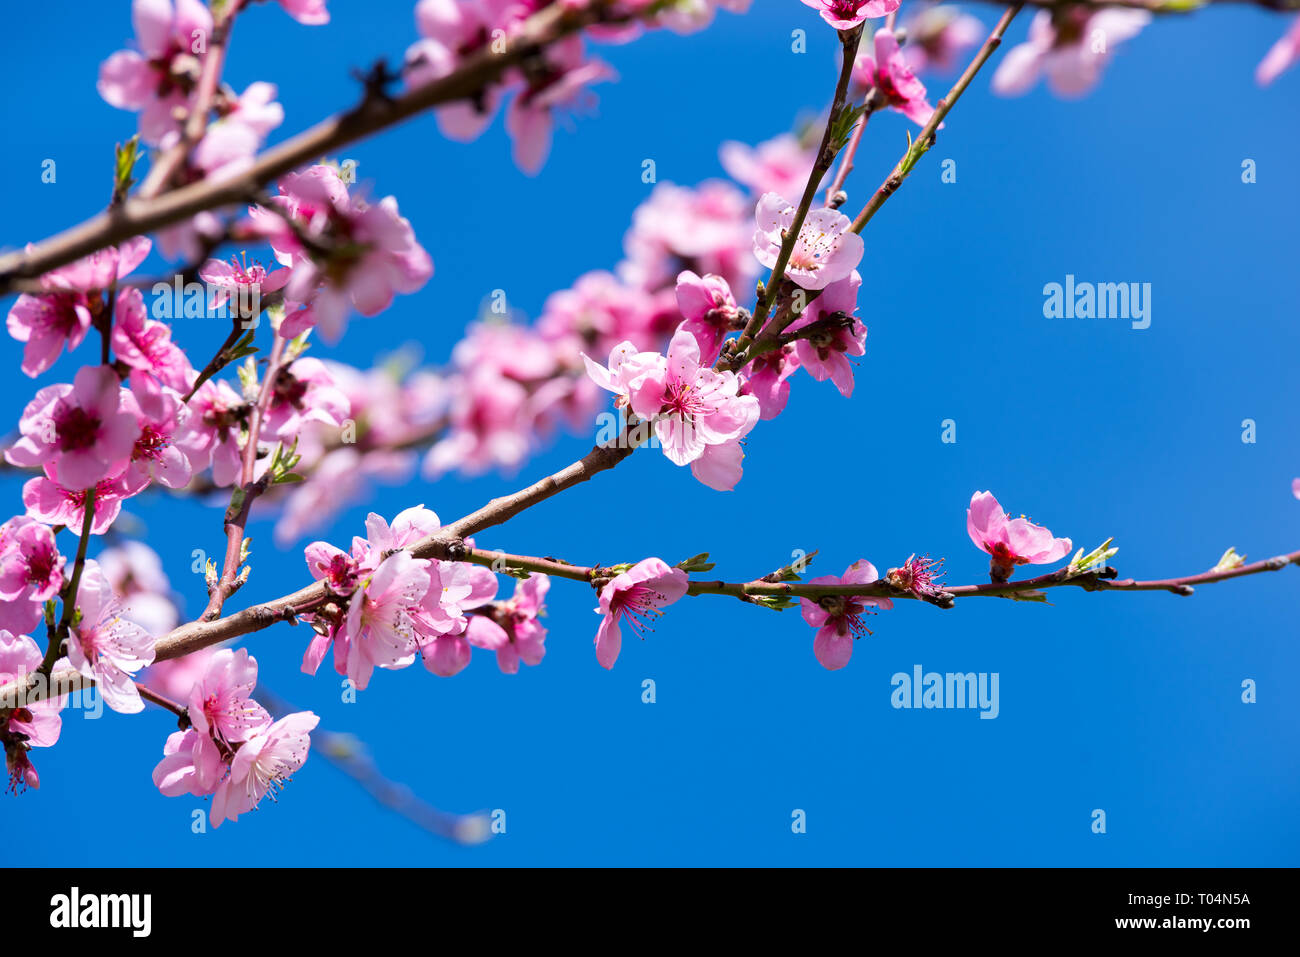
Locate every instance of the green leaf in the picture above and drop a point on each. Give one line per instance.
(697, 563)
(125, 157)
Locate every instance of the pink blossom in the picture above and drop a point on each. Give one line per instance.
(146, 344)
(222, 711)
(888, 73)
(441, 621)
(225, 723)
(920, 576)
(176, 677)
(21, 615)
(559, 83)
(100, 269)
(699, 415)
(159, 414)
(639, 594)
(310, 12)
(46, 323)
(31, 568)
(190, 238)
(212, 434)
(135, 572)
(230, 143)
(600, 311)
(826, 251)
(304, 391)
(709, 309)
(340, 571)
(1281, 56)
(1009, 541)
(235, 276)
(1295, 487)
(705, 229)
(50, 502)
(841, 619)
(780, 165)
(81, 428)
(766, 380)
(408, 527)
(847, 14)
(33, 725)
(1070, 46)
(372, 252)
(489, 426)
(938, 36)
(511, 628)
(178, 772)
(380, 626)
(825, 354)
(452, 30)
(159, 79)
(263, 764)
(514, 351)
(106, 647)
(445, 655)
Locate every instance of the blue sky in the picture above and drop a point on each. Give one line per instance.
(1127, 703)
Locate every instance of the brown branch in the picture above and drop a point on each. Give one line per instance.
(925, 139)
(767, 292)
(196, 635)
(247, 492)
(1158, 6)
(196, 123)
(182, 713)
(375, 112)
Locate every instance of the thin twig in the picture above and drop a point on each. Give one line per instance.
(925, 139)
(372, 114)
(849, 40)
(248, 490)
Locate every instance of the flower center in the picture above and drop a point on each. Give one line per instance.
(641, 606)
(40, 564)
(150, 445)
(848, 613)
(683, 399)
(75, 428)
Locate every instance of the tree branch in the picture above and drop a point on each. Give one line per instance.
(372, 114)
(926, 137)
(849, 40)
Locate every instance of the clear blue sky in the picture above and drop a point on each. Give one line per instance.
(1128, 703)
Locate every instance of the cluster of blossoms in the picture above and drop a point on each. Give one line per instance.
(342, 253)
(232, 749)
(557, 81)
(509, 384)
(104, 644)
(1069, 44)
(388, 608)
(839, 619)
(847, 14)
(666, 317)
(700, 413)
